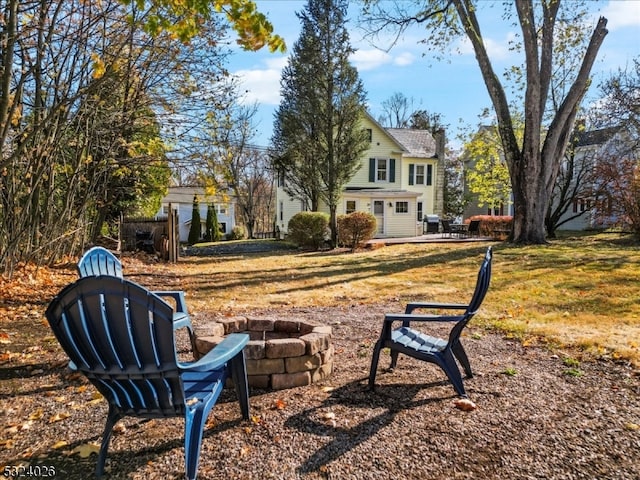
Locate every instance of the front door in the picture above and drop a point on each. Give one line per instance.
(378, 212)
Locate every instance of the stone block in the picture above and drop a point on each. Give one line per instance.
(306, 327)
(303, 363)
(290, 380)
(210, 329)
(284, 347)
(273, 335)
(322, 373)
(261, 324)
(255, 335)
(327, 355)
(315, 342)
(265, 366)
(233, 324)
(205, 344)
(287, 326)
(259, 381)
(254, 350)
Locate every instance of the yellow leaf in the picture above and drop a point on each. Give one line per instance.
(86, 449)
(8, 443)
(256, 419)
(81, 389)
(37, 415)
(59, 444)
(58, 417)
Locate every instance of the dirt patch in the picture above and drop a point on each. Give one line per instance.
(538, 416)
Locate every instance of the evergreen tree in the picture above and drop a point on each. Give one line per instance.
(195, 232)
(212, 225)
(319, 138)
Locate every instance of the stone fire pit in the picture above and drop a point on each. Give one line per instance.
(280, 353)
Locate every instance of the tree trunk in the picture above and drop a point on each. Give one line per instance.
(530, 204)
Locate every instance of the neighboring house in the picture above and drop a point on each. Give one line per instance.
(591, 146)
(181, 200)
(401, 179)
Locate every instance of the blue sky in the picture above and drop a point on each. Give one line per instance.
(453, 88)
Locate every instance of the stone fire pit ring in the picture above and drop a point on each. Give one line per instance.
(280, 354)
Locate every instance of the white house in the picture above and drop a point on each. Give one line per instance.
(180, 199)
(400, 180)
(592, 146)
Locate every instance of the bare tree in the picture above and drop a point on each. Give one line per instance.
(234, 163)
(396, 111)
(533, 163)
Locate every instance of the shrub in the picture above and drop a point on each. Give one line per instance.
(493, 225)
(309, 229)
(237, 233)
(355, 229)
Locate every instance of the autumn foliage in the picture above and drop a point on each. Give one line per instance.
(355, 229)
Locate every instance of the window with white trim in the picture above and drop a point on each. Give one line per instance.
(382, 167)
(402, 207)
(420, 174)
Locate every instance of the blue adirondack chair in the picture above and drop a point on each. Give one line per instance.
(417, 344)
(100, 261)
(121, 337)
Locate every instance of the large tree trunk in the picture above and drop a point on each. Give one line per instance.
(534, 165)
(530, 203)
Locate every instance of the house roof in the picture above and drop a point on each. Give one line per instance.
(184, 195)
(597, 137)
(418, 143)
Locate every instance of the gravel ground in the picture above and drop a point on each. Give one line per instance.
(537, 417)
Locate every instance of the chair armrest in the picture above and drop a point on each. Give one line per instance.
(449, 306)
(231, 346)
(178, 296)
(405, 317)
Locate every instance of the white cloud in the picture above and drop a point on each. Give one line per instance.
(260, 85)
(622, 14)
(370, 59)
(404, 59)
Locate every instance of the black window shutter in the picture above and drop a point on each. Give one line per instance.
(392, 170)
(372, 170)
(411, 169)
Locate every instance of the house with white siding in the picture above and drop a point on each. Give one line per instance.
(180, 199)
(400, 181)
